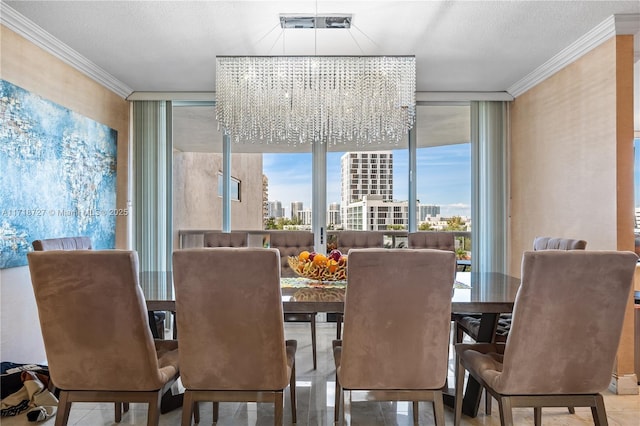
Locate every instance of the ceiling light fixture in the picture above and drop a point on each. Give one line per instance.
(306, 21)
(325, 99)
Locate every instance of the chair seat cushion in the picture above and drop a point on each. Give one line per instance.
(483, 360)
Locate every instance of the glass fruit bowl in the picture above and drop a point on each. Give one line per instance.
(332, 267)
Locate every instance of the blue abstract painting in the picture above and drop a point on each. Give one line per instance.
(57, 175)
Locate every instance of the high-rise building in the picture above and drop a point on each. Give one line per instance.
(296, 206)
(275, 209)
(366, 173)
(426, 210)
(333, 215)
(363, 174)
(375, 214)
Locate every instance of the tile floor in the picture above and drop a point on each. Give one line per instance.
(315, 393)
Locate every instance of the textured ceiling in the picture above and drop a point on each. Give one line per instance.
(459, 46)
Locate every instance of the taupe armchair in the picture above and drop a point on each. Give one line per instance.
(232, 345)
(566, 327)
(397, 323)
(99, 349)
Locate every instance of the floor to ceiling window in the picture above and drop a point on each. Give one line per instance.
(367, 188)
(443, 172)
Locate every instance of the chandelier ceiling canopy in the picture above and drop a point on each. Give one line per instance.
(325, 99)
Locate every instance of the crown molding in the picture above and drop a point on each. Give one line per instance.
(613, 25)
(16, 22)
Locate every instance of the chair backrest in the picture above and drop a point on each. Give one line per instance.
(290, 243)
(94, 320)
(347, 240)
(66, 243)
(438, 240)
(229, 308)
(567, 322)
(397, 319)
(552, 243)
(226, 239)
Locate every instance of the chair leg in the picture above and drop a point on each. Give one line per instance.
(457, 413)
(572, 410)
(118, 412)
(346, 408)
(187, 408)
(216, 409)
(153, 412)
(537, 416)
(313, 339)
(458, 332)
(487, 402)
(598, 412)
(292, 390)
(506, 414)
(196, 412)
(338, 326)
(438, 408)
(416, 414)
(336, 407)
(279, 405)
(64, 406)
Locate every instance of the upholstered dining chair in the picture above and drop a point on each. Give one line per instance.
(156, 319)
(470, 324)
(566, 327)
(347, 240)
(397, 323)
(98, 348)
(232, 345)
(291, 243)
(439, 240)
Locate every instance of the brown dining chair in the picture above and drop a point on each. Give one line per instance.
(470, 324)
(156, 319)
(291, 243)
(347, 240)
(397, 323)
(232, 345)
(98, 348)
(567, 322)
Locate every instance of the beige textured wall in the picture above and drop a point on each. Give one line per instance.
(26, 65)
(571, 161)
(196, 204)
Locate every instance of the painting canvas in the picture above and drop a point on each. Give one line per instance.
(57, 175)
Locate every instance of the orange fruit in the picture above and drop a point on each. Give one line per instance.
(303, 256)
(320, 259)
(332, 265)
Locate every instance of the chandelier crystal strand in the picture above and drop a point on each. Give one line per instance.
(323, 99)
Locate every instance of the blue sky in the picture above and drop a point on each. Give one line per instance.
(444, 177)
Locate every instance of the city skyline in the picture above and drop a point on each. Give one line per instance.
(443, 177)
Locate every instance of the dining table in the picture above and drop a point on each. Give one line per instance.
(486, 294)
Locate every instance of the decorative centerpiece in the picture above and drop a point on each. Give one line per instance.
(317, 266)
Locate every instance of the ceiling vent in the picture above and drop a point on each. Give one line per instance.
(325, 21)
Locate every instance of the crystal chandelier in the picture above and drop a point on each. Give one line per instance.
(325, 99)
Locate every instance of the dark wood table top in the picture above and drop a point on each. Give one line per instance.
(473, 292)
